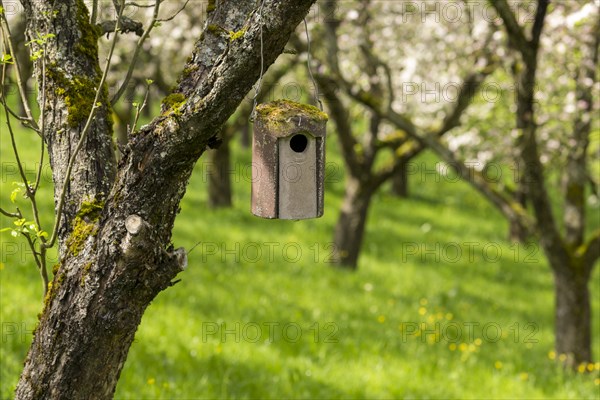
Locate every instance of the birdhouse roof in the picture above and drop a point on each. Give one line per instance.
(284, 117)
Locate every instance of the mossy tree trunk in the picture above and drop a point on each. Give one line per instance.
(116, 259)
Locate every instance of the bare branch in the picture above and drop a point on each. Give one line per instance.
(126, 25)
(136, 53)
(176, 13)
(514, 30)
(538, 24)
(20, 84)
(8, 214)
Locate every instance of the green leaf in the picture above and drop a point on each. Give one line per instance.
(13, 194)
(6, 59)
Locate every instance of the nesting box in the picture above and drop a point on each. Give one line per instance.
(288, 161)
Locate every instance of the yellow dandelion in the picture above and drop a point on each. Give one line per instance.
(439, 315)
(551, 355)
(422, 310)
(452, 346)
(423, 302)
(1, 266)
(478, 342)
(218, 349)
(498, 365)
(431, 319)
(581, 368)
(151, 381)
(590, 367)
(463, 347)
(524, 376)
(449, 316)
(472, 347)
(598, 366)
(381, 319)
(597, 381)
(562, 357)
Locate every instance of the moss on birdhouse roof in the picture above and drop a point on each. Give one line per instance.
(283, 110)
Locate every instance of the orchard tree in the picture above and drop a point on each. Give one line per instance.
(364, 59)
(571, 249)
(114, 220)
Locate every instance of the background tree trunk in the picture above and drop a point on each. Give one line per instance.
(400, 180)
(517, 232)
(219, 173)
(572, 317)
(350, 227)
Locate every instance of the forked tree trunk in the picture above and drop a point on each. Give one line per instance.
(219, 175)
(350, 227)
(116, 252)
(572, 316)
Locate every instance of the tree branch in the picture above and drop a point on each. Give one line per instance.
(538, 24)
(590, 252)
(514, 30)
(136, 53)
(575, 175)
(125, 25)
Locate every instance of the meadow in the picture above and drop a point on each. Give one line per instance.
(442, 306)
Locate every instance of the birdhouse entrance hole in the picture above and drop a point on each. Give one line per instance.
(299, 143)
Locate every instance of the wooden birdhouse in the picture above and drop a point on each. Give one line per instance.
(288, 160)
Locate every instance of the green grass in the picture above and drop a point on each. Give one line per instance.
(359, 336)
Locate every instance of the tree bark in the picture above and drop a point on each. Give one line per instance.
(350, 227)
(400, 180)
(517, 232)
(109, 272)
(219, 174)
(70, 90)
(572, 316)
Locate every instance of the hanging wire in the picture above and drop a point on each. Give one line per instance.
(258, 85)
(308, 63)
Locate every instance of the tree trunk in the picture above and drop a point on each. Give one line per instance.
(116, 252)
(400, 180)
(219, 175)
(572, 317)
(517, 232)
(245, 136)
(350, 227)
